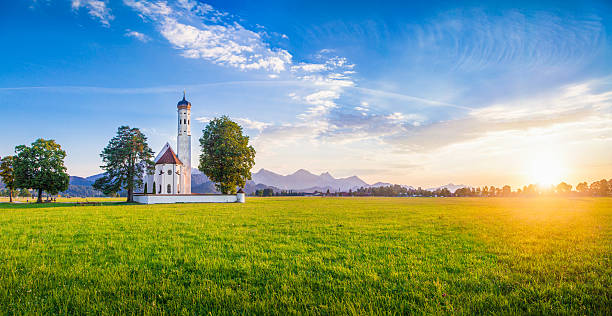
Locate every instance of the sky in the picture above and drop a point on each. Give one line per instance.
(422, 93)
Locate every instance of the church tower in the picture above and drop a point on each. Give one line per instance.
(183, 143)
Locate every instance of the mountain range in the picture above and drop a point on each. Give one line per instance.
(304, 181)
(299, 181)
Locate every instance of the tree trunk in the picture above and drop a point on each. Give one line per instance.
(39, 200)
(10, 196)
(130, 181)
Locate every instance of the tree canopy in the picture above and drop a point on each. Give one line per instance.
(41, 167)
(7, 174)
(126, 158)
(226, 157)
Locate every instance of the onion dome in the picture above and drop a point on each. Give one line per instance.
(184, 104)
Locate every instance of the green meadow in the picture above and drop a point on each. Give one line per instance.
(310, 256)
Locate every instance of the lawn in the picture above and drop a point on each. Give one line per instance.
(310, 255)
(65, 200)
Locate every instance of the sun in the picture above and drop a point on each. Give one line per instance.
(546, 170)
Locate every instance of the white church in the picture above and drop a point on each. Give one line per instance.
(171, 181)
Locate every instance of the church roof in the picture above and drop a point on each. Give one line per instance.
(168, 157)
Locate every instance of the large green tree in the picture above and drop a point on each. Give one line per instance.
(126, 158)
(41, 167)
(226, 157)
(7, 174)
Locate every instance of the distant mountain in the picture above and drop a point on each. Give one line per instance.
(201, 184)
(299, 181)
(305, 181)
(81, 187)
(80, 181)
(95, 177)
(451, 187)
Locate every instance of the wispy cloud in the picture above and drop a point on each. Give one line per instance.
(242, 121)
(569, 105)
(473, 40)
(199, 31)
(96, 8)
(137, 35)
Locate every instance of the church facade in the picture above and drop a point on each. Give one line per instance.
(171, 180)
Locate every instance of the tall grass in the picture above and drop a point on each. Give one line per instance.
(310, 255)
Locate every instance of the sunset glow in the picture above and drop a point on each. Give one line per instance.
(546, 170)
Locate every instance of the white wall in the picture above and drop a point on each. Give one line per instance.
(189, 198)
(164, 179)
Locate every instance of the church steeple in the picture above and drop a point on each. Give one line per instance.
(184, 141)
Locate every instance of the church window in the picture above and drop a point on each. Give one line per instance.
(169, 172)
(169, 188)
(184, 121)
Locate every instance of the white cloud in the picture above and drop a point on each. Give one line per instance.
(137, 35)
(309, 67)
(223, 43)
(251, 124)
(96, 8)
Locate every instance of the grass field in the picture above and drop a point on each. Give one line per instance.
(310, 255)
(66, 200)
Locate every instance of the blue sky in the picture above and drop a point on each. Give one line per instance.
(413, 93)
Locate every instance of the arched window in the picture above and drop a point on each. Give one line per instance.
(184, 121)
(169, 172)
(169, 188)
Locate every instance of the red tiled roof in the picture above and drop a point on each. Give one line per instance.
(169, 158)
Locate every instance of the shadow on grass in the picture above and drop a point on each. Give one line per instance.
(13, 206)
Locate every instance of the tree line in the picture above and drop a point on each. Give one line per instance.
(598, 188)
(398, 190)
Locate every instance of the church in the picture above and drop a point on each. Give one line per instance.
(171, 180)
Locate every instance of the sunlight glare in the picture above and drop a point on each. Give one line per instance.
(546, 170)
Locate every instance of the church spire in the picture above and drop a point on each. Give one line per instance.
(184, 103)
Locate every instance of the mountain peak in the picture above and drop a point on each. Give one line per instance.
(264, 171)
(327, 176)
(302, 172)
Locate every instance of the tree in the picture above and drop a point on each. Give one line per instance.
(41, 167)
(564, 188)
(25, 193)
(506, 190)
(7, 175)
(599, 188)
(226, 157)
(582, 187)
(126, 158)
